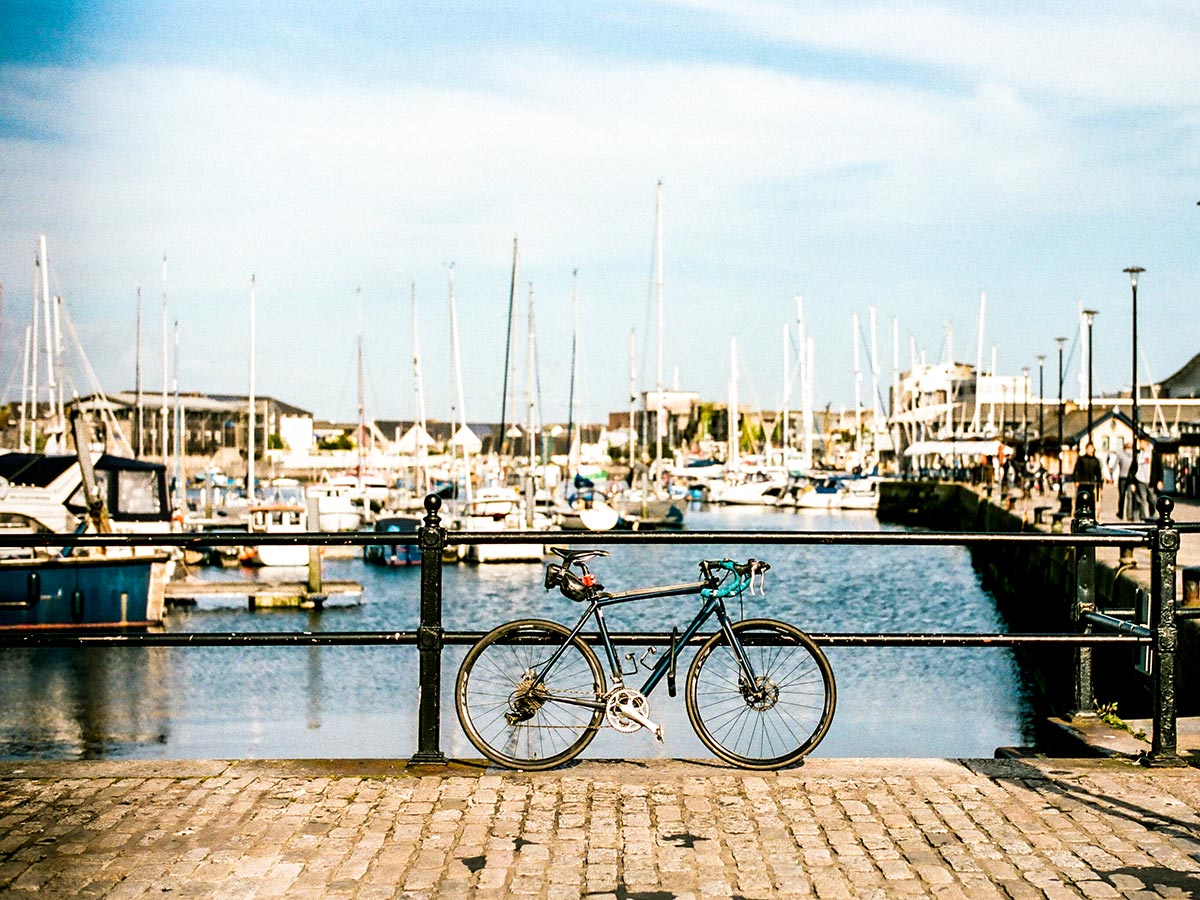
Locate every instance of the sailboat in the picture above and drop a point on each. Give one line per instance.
(580, 507)
(644, 503)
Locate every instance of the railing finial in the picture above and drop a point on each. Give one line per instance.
(433, 503)
(1165, 506)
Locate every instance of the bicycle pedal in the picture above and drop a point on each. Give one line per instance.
(631, 712)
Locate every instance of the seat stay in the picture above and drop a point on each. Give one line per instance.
(593, 607)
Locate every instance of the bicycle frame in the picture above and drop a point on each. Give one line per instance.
(597, 605)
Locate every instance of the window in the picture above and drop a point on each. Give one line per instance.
(137, 493)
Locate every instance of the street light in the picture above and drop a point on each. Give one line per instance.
(1133, 272)
(1061, 341)
(1090, 316)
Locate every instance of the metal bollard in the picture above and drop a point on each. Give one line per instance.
(1163, 552)
(1085, 602)
(429, 638)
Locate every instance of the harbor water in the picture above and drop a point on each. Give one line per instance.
(358, 702)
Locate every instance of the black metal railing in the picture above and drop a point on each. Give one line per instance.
(1097, 628)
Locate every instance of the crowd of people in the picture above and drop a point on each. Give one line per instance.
(1135, 476)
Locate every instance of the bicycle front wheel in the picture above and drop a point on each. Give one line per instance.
(516, 713)
(774, 719)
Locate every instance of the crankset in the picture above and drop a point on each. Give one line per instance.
(625, 710)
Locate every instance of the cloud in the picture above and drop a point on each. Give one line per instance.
(1133, 54)
(380, 182)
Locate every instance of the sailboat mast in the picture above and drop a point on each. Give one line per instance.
(787, 394)
(530, 374)
(857, 388)
(571, 442)
(975, 423)
(874, 373)
(658, 291)
(25, 389)
(632, 401)
(138, 420)
(732, 454)
(181, 495)
(512, 295)
(362, 406)
(422, 479)
(33, 378)
(805, 408)
(252, 401)
(47, 300)
(163, 417)
(60, 414)
(458, 382)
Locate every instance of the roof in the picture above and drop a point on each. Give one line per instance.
(1185, 382)
(196, 401)
(33, 469)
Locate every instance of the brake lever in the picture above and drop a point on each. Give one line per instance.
(759, 569)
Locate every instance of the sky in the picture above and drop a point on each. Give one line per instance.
(901, 157)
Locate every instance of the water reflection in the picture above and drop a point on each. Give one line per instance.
(204, 702)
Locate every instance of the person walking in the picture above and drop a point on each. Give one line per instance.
(1144, 481)
(1123, 467)
(1088, 474)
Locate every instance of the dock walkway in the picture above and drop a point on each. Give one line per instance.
(973, 829)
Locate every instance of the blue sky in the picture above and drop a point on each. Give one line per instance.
(902, 156)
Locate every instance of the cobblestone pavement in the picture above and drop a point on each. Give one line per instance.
(374, 829)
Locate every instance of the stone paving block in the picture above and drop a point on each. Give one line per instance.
(838, 828)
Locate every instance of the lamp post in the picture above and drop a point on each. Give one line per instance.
(1061, 341)
(1133, 272)
(1090, 316)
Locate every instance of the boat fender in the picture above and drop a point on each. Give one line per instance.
(33, 589)
(77, 606)
(3, 487)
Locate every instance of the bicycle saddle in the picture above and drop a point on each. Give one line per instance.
(570, 557)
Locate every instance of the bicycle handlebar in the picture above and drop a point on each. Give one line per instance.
(745, 574)
(749, 567)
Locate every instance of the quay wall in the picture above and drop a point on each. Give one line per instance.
(1034, 586)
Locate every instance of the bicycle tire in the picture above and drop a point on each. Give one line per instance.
(768, 729)
(489, 687)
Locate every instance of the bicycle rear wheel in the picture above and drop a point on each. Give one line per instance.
(775, 721)
(520, 720)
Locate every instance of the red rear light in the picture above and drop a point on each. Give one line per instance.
(589, 580)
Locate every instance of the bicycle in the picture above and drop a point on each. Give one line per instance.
(531, 694)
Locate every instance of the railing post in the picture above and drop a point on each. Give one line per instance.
(1084, 520)
(429, 637)
(1163, 552)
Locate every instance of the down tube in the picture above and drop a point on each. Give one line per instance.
(661, 668)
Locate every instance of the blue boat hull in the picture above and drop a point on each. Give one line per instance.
(79, 592)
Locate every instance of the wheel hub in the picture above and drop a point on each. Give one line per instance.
(762, 695)
(525, 701)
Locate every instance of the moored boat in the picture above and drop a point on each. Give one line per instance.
(841, 492)
(336, 507)
(276, 518)
(92, 588)
(497, 509)
(385, 554)
(47, 591)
